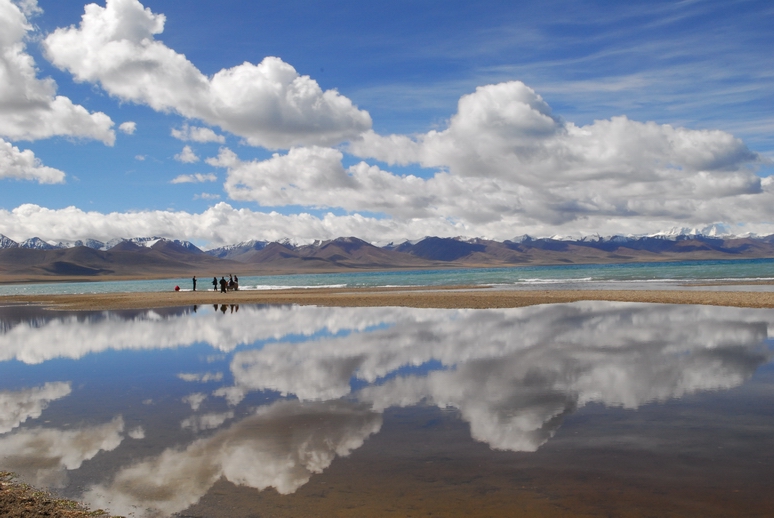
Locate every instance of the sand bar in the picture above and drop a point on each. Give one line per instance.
(425, 297)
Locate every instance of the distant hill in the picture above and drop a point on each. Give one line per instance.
(35, 259)
(125, 260)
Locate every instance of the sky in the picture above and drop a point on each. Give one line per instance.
(221, 122)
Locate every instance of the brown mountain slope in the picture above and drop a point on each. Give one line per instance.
(128, 261)
(336, 254)
(356, 253)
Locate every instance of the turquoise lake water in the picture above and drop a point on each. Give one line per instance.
(592, 276)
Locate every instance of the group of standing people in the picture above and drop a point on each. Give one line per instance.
(231, 284)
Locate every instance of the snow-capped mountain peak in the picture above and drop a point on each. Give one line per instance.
(37, 243)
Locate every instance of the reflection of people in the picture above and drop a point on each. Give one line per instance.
(222, 285)
(214, 284)
(223, 308)
(194, 282)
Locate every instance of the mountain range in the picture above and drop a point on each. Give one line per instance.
(155, 257)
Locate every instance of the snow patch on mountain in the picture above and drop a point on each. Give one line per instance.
(7, 242)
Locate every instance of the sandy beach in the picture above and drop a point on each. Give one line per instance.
(425, 297)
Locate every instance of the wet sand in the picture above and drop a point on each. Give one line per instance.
(474, 297)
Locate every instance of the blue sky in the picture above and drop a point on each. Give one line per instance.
(488, 119)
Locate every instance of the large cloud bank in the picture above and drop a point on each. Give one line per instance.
(506, 162)
(269, 104)
(220, 224)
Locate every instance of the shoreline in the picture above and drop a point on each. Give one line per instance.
(446, 297)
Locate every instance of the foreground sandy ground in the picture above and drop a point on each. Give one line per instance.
(18, 500)
(446, 297)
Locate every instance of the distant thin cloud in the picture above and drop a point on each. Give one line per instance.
(197, 134)
(195, 178)
(206, 196)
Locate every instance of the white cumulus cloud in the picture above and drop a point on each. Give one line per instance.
(128, 127)
(23, 165)
(268, 104)
(187, 156)
(29, 106)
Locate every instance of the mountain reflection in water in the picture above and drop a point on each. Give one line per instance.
(148, 410)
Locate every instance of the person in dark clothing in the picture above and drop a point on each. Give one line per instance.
(214, 284)
(236, 283)
(223, 285)
(194, 282)
(231, 282)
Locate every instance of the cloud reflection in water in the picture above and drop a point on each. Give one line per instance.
(44, 455)
(280, 446)
(513, 374)
(18, 406)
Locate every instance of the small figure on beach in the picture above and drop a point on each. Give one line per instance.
(194, 283)
(236, 283)
(231, 282)
(214, 284)
(223, 285)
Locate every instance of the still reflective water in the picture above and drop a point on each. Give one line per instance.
(589, 408)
